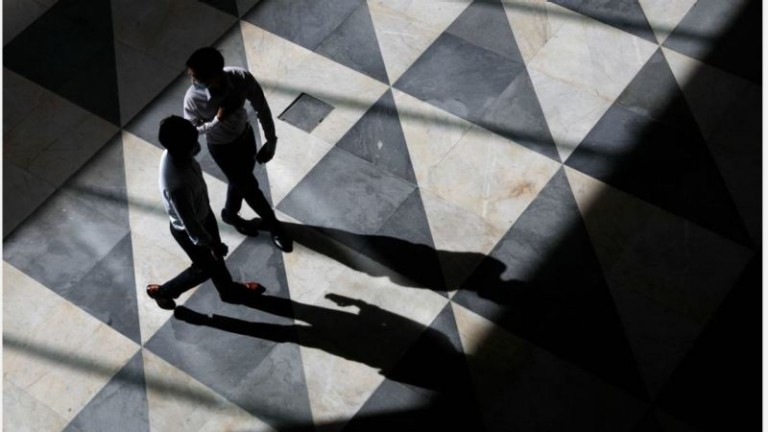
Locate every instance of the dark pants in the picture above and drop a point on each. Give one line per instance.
(204, 265)
(237, 160)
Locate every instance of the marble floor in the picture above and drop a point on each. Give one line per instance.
(508, 215)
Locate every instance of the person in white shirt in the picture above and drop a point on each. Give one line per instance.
(215, 104)
(193, 224)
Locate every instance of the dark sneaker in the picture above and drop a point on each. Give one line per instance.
(243, 226)
(164, 302)
(242, 292)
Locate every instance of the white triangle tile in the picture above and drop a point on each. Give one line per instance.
(179, 402)
(534, 23)
(490, 176)
(405, 29)
(349, 92)
(644, 248)
(592, 56)
(22, 412)
(710, 92)
(571, 111)
(54, 351)
(297, 153)
(429, 132)
(664, 15)
(462, 238)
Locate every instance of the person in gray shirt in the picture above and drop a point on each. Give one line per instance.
(193, 224)
(215, 104)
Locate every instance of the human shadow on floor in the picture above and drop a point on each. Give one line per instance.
(425, 360)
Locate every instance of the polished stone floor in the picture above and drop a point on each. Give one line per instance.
(508, 216)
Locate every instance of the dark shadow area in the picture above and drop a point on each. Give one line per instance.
(425, 360)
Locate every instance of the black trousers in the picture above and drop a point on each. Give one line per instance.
(204, 265)
(237, 160)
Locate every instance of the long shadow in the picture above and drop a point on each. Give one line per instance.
(422, 358)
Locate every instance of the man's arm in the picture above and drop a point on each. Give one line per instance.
(182, 204)
(255, 96)
(192, 114)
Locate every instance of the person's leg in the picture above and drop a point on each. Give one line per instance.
(237, 160)
(193, 275)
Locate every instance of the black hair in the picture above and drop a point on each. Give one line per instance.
(177, 135)
(206, 62)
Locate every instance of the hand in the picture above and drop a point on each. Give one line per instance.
(267, 151)
(343, 301)
(221, 113)
(219, 251)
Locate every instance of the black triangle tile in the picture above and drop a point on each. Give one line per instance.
(717, 383)
(304, 22)
(648, 144)
(726, 35)
(378, 138)
(70, 51)
(354, 44)
(121, 405)
(649, 423)
(404, 243)
(226, 6)
(496, 34)
(430, 387)
(543, 282)
(626, 15)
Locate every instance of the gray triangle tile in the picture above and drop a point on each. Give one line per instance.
(626, 15)
(540, 282)
(354, 44)
(721, 34)
(30, 193)
(120, 405)
(649, 145)
(496, 34)
(378, 138)
(429, 387)
(70, 51)
(404, 244)
(363, 197)
(304, 22)
(62, 241)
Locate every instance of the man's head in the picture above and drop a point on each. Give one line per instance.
(179, 136)
(205, 65)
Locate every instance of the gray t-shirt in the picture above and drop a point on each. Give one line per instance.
(185, 197)
(201, 105)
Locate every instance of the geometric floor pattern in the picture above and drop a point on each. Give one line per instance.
(510, 215)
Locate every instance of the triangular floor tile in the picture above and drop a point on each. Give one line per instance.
(520, 386)
(730, 42)
(716, 382)
(304, 22)
(70, 51)
(120, 405)
(543, 283)
(226, 6)
(664, 16)
(648, 144)
(432, 379)
(378, 138)
(482, 80)
(354, 44)
(627, 16)
(404, 244)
